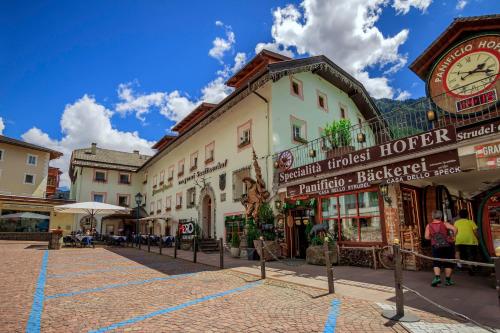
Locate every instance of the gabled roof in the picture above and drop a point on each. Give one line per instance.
(53, 154)
(164, 141)
(457, 30)
(252, 67)
(319, 65)
(107, 159)
(194, 115)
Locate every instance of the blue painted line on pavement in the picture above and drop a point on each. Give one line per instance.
(56, 276)
(33, 324)
(118, 285)
(331, 321)
(175, 308)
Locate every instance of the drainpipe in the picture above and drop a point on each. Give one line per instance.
(268, 130)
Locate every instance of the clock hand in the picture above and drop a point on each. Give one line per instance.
(478, 68)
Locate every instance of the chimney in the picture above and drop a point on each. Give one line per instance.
(93, 148)
(136, 152)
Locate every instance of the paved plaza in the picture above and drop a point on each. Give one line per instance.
(126, 289)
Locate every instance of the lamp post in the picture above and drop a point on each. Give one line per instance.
(138, 201)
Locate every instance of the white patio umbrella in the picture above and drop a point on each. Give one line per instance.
(91, 208)
(25, 215)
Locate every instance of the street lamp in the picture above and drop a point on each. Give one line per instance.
(138, 202)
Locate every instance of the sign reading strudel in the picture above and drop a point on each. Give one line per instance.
(443, 163)
(428, 140)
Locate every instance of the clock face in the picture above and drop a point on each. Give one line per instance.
(472, 73)
(465, 79)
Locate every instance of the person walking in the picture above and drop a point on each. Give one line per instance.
(441, 235)
(467, 238)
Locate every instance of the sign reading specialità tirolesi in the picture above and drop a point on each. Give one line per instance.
(409, 145)
(443, 163)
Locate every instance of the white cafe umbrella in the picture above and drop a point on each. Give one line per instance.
(91, 208)
(25, 215)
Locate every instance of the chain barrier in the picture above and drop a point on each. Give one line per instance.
(450, 311)
(465, 262)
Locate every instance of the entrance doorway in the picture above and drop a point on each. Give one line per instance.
(207, 216)
(491, 222)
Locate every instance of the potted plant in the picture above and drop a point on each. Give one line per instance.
(338, 138)
(235, 245)
(315, 253)
(266, 220)
(252, 235)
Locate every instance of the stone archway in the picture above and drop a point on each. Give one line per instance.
(206, 212)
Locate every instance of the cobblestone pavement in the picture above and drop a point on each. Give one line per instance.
(98, 290)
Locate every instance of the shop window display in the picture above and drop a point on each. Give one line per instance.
(353, 217)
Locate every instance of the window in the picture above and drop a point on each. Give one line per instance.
(194, 161)
(322, 101)
(180, 166)
(343, 111)
(178, 200)
(29, 178)
(239, 188)
(155, 181)
(158, 206)
(2, 154)
(31, 159)
(170, 173)
(209, 152)
(191, 197)
(124, 178)
(100, 176)
(353, 217)
(98, 197)
(145, 180)
(244, 134)
(152, 208)
(296, 88)
(123, 200)
(162, 177)
(299, 130)
(168, 203)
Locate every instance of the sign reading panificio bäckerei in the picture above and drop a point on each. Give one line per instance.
(428, 140)
(443, 163)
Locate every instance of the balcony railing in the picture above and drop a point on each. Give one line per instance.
(407, 120)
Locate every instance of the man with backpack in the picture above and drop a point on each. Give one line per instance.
(442, 237)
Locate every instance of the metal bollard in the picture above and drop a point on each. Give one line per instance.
(194, 249)
(160, 245)
(175, 247)
(399, 314)
(221, 250)
(328, 264)
(496, 261)
(149, 243)
(262, 260)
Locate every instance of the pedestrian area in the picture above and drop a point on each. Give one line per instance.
(126, 289)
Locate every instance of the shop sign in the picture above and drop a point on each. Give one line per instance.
(478, 131)
(488, 156)
(412, 144)
(207, 170)
(186, 228)
(443, 163)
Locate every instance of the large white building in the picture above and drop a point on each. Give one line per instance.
(277, 103)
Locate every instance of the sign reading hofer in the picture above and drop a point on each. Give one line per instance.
(412, 144)
(443, 163)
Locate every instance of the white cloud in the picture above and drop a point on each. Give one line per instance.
(83, 122)
(215, 91)
(138, 104)
(403, 95)
(275, 48)
(2, 126)
(403, 6)
(239, 61)
(222, 45)
(346, 32)
(461, 4)
(177, 106)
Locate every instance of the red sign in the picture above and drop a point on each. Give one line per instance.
(443, 163)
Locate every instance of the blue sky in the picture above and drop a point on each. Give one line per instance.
(53, 53)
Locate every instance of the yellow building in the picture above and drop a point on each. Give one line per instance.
(23, 183)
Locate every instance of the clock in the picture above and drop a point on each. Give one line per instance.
(465, 79)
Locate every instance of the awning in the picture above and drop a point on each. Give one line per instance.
(156, 217)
